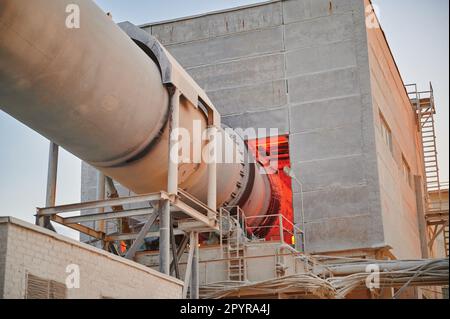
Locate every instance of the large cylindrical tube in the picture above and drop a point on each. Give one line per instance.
(93, 91)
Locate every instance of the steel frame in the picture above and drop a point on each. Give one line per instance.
(186, 214)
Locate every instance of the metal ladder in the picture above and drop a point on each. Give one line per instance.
(234, 246)
(236, 257)
(435, 215)
(426, 111)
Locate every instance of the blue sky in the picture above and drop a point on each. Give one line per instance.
(417, 31)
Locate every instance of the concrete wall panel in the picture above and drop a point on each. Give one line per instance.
(335, 172)
(335, 202)
(311, 9)
(327, 114)
(244, 99)
(276, 119)
(333, 235)
(243, 72)
(309, 33)
(328, 144)
(320, 58)
(318, 86)
(214, 25)
(225, 48)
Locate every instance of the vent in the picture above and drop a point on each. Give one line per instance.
(39, 288)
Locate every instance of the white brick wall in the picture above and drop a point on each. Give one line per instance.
(25, 248)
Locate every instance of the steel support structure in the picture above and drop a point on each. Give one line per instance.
(172, 182)
(195, 283)
(173, 244)
(52, 177)
(101, 194)
(188, 273)
(142, 234)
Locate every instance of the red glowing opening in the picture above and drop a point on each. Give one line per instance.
(273, 154)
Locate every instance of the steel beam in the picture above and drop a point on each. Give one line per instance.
(101, 195)
(180, 251)
(164, 238)
(81, 228)
(212, 176)
(108, 216)
(140, 238)
(133, 236)
(197, 202)
(172, 182)
(188, 226)
(187, 276)
(174, 124)
(102, 203)
(195, 214)
(195, 285)
(173, 243)
(52, 174)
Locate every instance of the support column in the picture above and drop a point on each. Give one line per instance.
(52, 174)
(280, 221)
(172, 184)
(422, 223)
(212, 172)
(195, 285)
(174, 124)
(188, 273)
(101, 194)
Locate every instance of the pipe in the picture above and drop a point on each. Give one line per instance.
(347, 269)
(97, 94)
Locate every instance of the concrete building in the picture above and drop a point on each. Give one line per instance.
(322, 73)
(360, 181)
(36, 263)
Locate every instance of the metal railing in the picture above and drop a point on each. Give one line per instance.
(285, 231)
(281, 229)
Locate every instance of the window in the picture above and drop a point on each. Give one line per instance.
(406, 171)
(386, 132)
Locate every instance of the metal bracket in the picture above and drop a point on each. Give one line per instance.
(172, 73)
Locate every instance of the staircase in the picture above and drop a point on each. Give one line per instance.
(436, 213)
